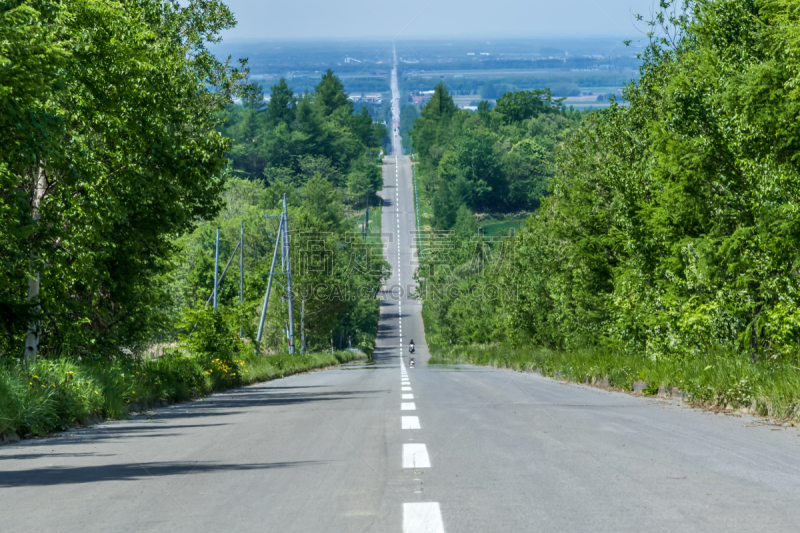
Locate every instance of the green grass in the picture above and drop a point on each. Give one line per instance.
(374, 222)
(423, 200)
(718, 379)
(493, 225)
(56, 394)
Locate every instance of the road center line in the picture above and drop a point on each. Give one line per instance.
(415, 456)
(422, 517)
(410, 422)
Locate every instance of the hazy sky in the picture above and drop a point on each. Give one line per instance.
(280, 19)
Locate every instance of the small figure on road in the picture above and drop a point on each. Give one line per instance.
(411, 346)
(411, 364)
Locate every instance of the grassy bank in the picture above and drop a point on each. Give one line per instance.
(728, 380)
(55, 394)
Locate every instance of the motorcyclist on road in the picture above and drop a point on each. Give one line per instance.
(411, 346)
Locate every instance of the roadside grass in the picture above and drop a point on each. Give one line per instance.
(721, 378)
(424, 199)
(374, 223)
(55, 394)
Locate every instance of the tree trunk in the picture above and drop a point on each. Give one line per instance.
(303, 345)
(32, 337)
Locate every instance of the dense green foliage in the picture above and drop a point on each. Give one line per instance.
(408, 115)
(116, 169)
(110, 149)
(322, 156)
(671, 227)
(335, 275)
(295, 137)
(493, 160)
(117, 128)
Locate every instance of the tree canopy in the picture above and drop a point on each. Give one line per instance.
(671, 225)
(110, 148)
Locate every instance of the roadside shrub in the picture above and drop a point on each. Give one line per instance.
(720, 377)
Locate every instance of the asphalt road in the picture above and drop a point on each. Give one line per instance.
(474, 450)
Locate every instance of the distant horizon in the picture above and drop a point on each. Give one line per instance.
(438, 19)
(367, 38)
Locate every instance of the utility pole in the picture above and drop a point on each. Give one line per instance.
(288, 275)
(269, 283)
(241, 271)
(216, 271)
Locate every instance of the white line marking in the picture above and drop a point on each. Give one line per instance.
(415, 456)
(423, 517)
(406, 388)
(408, 406)
(408, 396)
(410, 422)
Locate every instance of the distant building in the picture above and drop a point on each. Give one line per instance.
(369, 98)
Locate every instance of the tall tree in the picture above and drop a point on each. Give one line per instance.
(521, 105)
(331, 96)
(430, 130)
(135, 160)
(441, 104)
(282, 105)
(32, 53)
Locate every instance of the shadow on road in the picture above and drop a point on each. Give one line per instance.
(126, 472)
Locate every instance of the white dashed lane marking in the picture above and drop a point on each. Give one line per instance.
(422, 517)
(415, 456)
(408, 406)
(410, 422)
